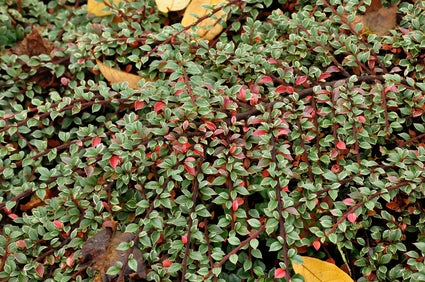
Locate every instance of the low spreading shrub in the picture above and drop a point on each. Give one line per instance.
(292, 133)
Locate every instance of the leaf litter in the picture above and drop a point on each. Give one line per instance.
(100, 252)
(377, 19)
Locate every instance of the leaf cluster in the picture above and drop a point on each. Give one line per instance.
(291, 133)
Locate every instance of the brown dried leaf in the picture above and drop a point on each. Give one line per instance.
(101, 251)
(35, 201)
(34, 45)
(375, 5)
(378, 21)
(115, 76)
(208, 28)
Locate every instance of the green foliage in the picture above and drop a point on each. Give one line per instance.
(289, 129)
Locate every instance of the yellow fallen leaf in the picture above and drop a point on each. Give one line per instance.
(208, 28)
(95, 8)
(115, 76)
(315, 270)
(171, 5)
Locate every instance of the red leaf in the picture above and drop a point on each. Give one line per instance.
(6, 116)
(180, 91)
(239, 199)
(361, 119)
(259, 132)
(265, 79)
(300, 80)
(290, 89)
(334, 153)
(324, 76)
(254, 99)
(316, 245)
(393, 179)
(273, 61)
(227, 102)
(167, 263)
(21, 244)
(281, 89)
(211, 126)
(40, 269)
(254, 88)
(279, 273)
(58, 224)
(235, 205)
(341, 145)
(255, 120)
(349, 202)
(233, 119)
(114, 161)
(309, 138)
(158, 106)
(242, 92)
(352, 217)
(138, 105)
(64, 81)
(333, 69)
(70, 260)
(335, 168)
(184, 239)
(12, 216)
(330, 260)
(95, 141)
(283, 131)
(190, 170)
(391, 88)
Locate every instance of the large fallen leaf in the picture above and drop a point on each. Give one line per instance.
(100, 251)
(377, 19)
(315, 270)
(208, 28)
(166, 6)
(115, 76)
(96, 8)
(375, 5)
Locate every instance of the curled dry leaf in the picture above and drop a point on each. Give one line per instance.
(101, 252)
(115, 76)
(210, 27)
(315, 270)
(166, 6)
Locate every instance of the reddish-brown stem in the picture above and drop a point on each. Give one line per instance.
(278, 191)
(305, 154)
(384, 105)
(344, 20)
(189, 87)
(6, 253)
(235, 250)
(189, 232)
(361, 203)
(326, 50)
